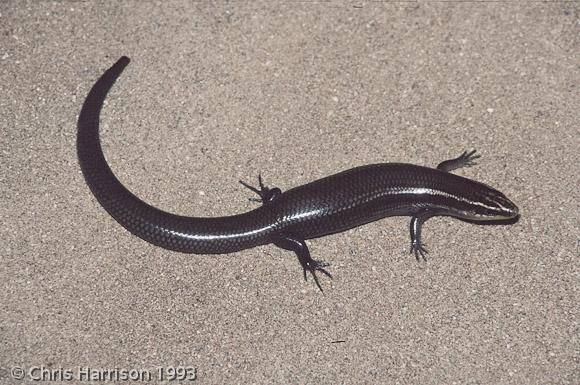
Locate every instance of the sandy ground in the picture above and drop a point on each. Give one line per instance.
(221, 92)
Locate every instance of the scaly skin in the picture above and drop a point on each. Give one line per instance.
(286, 219)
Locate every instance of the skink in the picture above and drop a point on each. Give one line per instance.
(286, 219)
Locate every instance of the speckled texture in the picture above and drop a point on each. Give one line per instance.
(223, 92)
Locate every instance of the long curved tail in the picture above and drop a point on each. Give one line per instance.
(170, 231)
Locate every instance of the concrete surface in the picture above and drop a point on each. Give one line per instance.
(220, 92)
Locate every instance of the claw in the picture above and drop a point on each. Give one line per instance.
(468, 158)
(419, 250)
(298, 245)
(316, 266)
(266, 194)
(316, 280)
(260, 182)
(251, 188)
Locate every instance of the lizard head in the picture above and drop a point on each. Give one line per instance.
(490, 205)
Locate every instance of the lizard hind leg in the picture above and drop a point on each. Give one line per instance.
(266, 194)
(299, 246)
